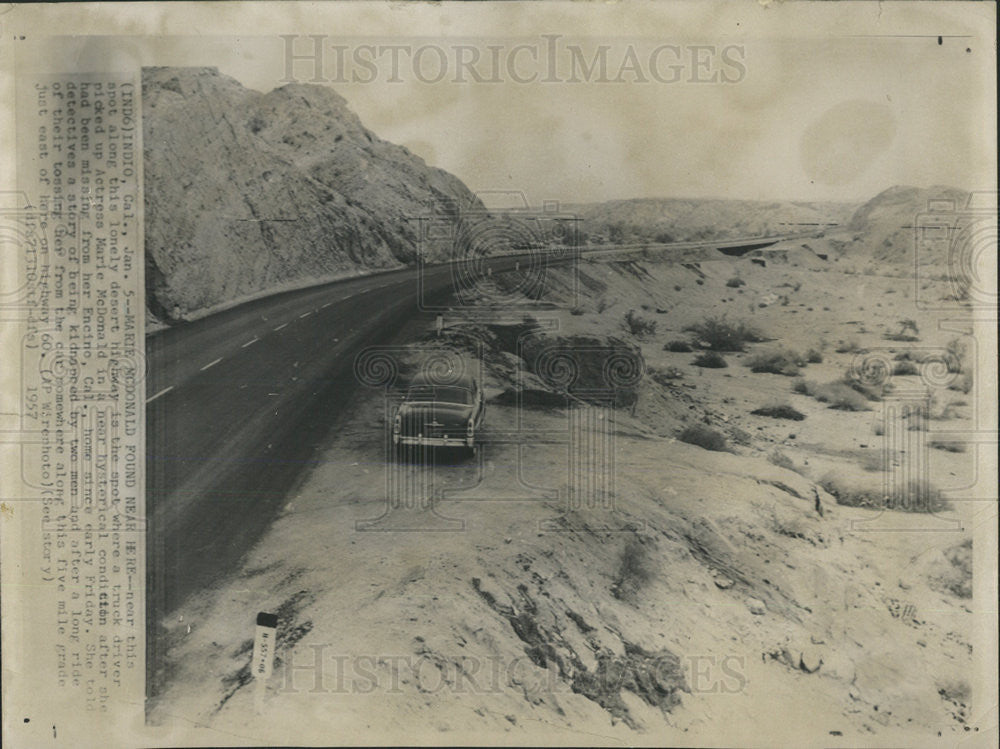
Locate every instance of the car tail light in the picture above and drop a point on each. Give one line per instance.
(471, 428)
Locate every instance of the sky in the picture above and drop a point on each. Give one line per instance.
(810, 104)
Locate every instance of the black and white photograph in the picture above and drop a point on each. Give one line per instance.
(500, 374)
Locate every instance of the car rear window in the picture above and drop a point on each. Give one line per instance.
(441, 394)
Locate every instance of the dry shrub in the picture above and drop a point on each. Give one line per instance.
(837, 394)
(960, 557)
(781, 460)
(963, 383)
(870, 392)
(635, 569)
(719, 334)
(779, 411)
(913, 496)
(776, 361)
(950, 447)
(678, 346)
(847, 347)
(663, 377)
(639, 326)
(874, 462)
(710, 360)
(705, 437)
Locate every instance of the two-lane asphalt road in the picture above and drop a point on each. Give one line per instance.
(237, 402)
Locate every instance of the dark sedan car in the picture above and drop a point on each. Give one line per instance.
(440, 415)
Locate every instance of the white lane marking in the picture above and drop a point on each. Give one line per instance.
(345, 297)
(280, 326)
(305, 314)
(250, 342)
(211, 364)
(364, 291)
(162, 392)
(326, 305)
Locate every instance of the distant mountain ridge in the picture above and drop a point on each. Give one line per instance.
(682, 219)
(248, 192)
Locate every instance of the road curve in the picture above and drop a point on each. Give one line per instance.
(236, 402)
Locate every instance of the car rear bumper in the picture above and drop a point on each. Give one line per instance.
(434, 441)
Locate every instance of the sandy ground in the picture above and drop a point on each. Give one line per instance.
(709, 598)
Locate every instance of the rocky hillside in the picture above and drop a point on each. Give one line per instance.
(883, 228)
(665, 220)
(247, 192)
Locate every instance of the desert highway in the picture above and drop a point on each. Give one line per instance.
(238, 401)
(235, 405)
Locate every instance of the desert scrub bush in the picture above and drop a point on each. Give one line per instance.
(870, 392)
(962, 383)
(913, 496)
(735, 282)
(781, 460)
(576, 310)
(663, 377)
(635, 569)
(960, 558)
(847, 347)
(638, 325)
(814, 356)
(678, 346)
(941, 411)
(950, 447)
(874, 461)
(703, 436)
(791, 527)
(958, 350)
(776, 361)
(719, 334)
(907, 331)
(779, 411)
(602, 304)
(836, 394)
(740, 436)
(710, 360)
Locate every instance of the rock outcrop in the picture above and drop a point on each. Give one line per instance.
(248, 192)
